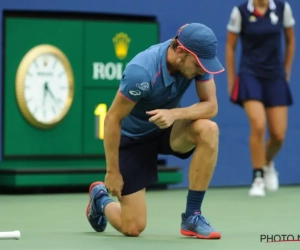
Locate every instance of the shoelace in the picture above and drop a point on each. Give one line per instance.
(199, 217)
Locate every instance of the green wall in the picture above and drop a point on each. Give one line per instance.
(97, 68)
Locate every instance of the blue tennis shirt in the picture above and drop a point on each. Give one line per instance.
(147, 83)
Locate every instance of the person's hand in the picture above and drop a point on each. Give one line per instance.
(230, 87)
(114, 183)
(162, 118)
(287, 76)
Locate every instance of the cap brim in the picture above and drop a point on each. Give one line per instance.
(211, 66)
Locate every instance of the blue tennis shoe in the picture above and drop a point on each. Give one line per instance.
(94, 215)
(197, 225)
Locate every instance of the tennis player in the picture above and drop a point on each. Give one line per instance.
(146, 119)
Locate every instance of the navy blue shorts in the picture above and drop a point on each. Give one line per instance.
(138, 159)
(271, 92)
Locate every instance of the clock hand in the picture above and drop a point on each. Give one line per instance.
(51, 94)
(57, 101)
(45, 93)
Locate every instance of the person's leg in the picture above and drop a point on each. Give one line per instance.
(278, 98)
(127, 216)
(277, 121)
(130, 215)
(138, 166)
(203, 137)
(256, 114)
(250, 95)
(257, 119)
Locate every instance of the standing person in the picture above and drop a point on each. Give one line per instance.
(146, 119)
(261, 85)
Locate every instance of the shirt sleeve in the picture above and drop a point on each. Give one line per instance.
(235, 21)
(204, 78)
(288, 18)
(135, 83)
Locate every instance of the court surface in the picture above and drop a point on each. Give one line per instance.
(57, 221)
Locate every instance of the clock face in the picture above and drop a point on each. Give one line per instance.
(46, 88)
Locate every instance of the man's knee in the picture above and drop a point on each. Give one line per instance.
(133, 229)
(134, 216)
(206, 131)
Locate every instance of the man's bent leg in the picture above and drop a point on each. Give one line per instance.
(94, 212)
(128, 216)
(203, 135)
(138, 166)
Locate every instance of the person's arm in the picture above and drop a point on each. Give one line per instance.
(234, 28)
(288, 24)
(230, 59)
(206, 108)
(119, 109)
(128, 95)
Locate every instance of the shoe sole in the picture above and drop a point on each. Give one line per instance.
(90, 191)
(257, 195)
(272, 189)
(212, 235)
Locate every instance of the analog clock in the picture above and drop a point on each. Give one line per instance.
(44, 86)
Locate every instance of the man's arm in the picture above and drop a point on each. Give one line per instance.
(119, 109)
(207, 108)
(126, 98)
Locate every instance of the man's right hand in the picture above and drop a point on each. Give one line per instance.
(114, 183)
